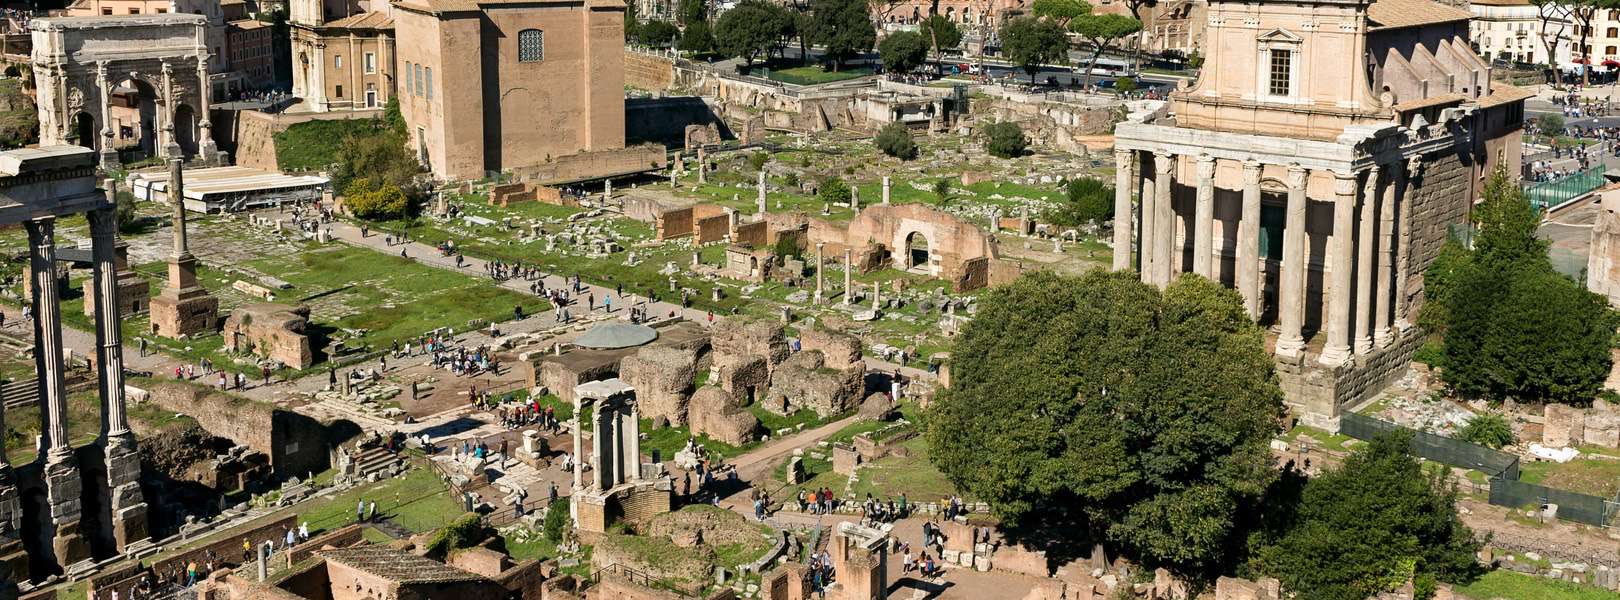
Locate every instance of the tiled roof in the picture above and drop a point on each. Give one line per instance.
(365, 20)
(1396, 14)
(248, 24)
(1500, 2)
(397, 565)
(1502, 93)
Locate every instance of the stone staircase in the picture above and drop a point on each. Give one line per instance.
(377, 460)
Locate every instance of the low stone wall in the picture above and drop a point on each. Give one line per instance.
(596, 164)
(338, 538)
(296, 444)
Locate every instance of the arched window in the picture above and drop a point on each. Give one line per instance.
(531, 45)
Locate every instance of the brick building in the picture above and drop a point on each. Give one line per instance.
(493, 85)
(252, 48)
(1320, 192)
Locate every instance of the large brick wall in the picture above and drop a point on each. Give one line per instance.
(648, 71)
(1438, 198)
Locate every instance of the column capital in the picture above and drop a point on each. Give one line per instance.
(1344, 183)
(1252, 168)
(1164, 162)
(1122, 153)
(1206, 166)
(1296, 176)
(1163, 154)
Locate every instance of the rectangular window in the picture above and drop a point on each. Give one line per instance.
(429, 72)
(106, 11)
(338, 91)
(1281, 64)
(531, 45)
(410, 80)
(337, 60)
(371, 62)
(418, 80)
(162, 11)
(134, 11)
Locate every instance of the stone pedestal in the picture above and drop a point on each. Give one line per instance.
(62, 491)
(184, 307)
(134, 293)
(129, 520)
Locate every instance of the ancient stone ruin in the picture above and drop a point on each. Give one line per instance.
(273, 331)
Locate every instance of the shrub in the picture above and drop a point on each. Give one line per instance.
(834, 191)
(1088, 201)
(1005, 139)
(1125, 84)
(895, 140)
(556, 520)
(942, 192)
(1487, 429)
(757, 160)
(386, 202)
(464, 532)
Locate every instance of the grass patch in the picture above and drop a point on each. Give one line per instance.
(1595, 476)
(812, 74)
(314, 145)
(1509, 585)
(419, 501)
(912, 475)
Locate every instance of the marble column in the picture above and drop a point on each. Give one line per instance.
(1248, 244)
(108, 155)
(579, 449)
(1403, 240)
(206, 149)
(1365, 267)
(120, 454)
(849, 270)
(1122, 208)
(1148, 240)
(1384, 296)
(885, 189)
(1337, 350)
(171, 147)
(48, 333)
(1204, 218)
(630, 436)
(1164, 219)
(1291, 286)
(821, 263)
(761, 200)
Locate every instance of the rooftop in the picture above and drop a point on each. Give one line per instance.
(365, 20)
(1397, 14)
(397, 565)
(616, 335)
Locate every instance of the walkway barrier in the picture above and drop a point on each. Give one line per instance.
(1547, 195)
(1503, 469)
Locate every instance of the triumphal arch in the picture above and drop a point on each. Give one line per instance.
(135, 83)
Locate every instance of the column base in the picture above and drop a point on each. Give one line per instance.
(1364, 345)
(109, 159)
(1334, 356)
(1290, 347)
(1403, 325)
(1383, 337)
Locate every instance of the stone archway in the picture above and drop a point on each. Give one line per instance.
(134, 110)
(916, 254)
(185, 130)
(84, 130)
(77, 61)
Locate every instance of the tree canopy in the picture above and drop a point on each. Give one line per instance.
(377, 172)
(895, 140)
(1370, 526)
(1100, 31)
(657, 33)
(1005, 139)
(1030, 42)
(942, 33)
(1098, 404)
(903, 51)
(751, 29)
(697, 38)
(1062, 11)
(1087, 201)
(843, 27)
(1513, 326)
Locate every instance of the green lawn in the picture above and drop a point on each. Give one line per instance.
(811, 75)
(419, 501)
(1508, 585)
(1594, 476)
(913, 475)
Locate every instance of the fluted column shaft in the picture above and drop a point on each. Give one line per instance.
(1147, 202)
(1337, 350)
(1383, 294)
(109, 339)
(1204, 218)
(1365, 262)
(1248, 245)
(1123, 160)
(48, 333)
(1403, 241)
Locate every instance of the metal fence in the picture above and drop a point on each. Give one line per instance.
(1572, 506)
(1546, 195)
(1503, 469)
(1437, 448)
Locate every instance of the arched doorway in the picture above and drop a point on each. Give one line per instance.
(84, 131)
(917, 253)
(134, 109)
(185, 129)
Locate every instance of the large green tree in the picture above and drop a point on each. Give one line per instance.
(903, 51)
(1370, 526)
(750, 29)
(1513, 326)
(658, 34)
(697, 38)
(1098, 406)
(843, 28)
(1061, 11)
(1100, 31)
(1030, 42)
(942, 34)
